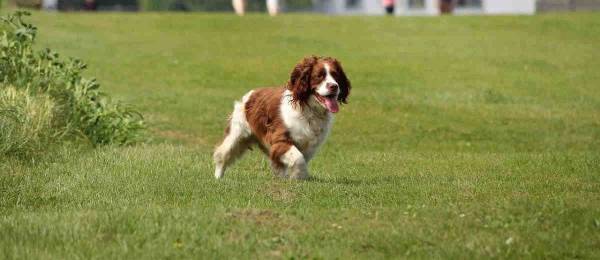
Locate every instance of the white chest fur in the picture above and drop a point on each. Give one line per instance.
(308, 127)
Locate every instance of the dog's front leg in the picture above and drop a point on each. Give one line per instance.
(289, 157)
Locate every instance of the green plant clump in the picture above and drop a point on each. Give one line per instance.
(45, 100)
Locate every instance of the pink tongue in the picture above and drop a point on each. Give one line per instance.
(332, 105)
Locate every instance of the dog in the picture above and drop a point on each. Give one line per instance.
(287, 123)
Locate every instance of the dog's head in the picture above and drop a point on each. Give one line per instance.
(319, 82)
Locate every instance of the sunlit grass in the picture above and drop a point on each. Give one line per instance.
(465, 137)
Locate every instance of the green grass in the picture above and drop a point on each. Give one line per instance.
(465, 137)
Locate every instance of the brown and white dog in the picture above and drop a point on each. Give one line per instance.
(288, 123)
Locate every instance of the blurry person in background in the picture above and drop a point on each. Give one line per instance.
(389, 6)
(49, 4)
(178, 6)
(273, 7)
(446, 6)
(240, 6)
(90, 5)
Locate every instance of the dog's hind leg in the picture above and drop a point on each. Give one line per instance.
(232, 148)
(237, 140)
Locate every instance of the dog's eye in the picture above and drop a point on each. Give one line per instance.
(320, 75)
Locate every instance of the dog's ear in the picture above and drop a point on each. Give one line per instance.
(343, 82)
(299, 82)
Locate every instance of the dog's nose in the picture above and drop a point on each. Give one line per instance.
(332, 86)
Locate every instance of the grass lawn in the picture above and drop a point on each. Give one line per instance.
(465, 137)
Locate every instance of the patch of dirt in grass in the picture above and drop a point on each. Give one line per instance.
(279, 192)
(105, 237)
(235, 236)
(270, 227)
(257, 216)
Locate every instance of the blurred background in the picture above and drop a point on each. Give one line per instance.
(339, 7)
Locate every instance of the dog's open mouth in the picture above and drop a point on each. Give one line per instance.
(329, 102)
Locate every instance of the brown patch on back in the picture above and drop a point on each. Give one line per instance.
(264, 117)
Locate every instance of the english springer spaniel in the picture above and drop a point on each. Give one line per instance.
(287, 123)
